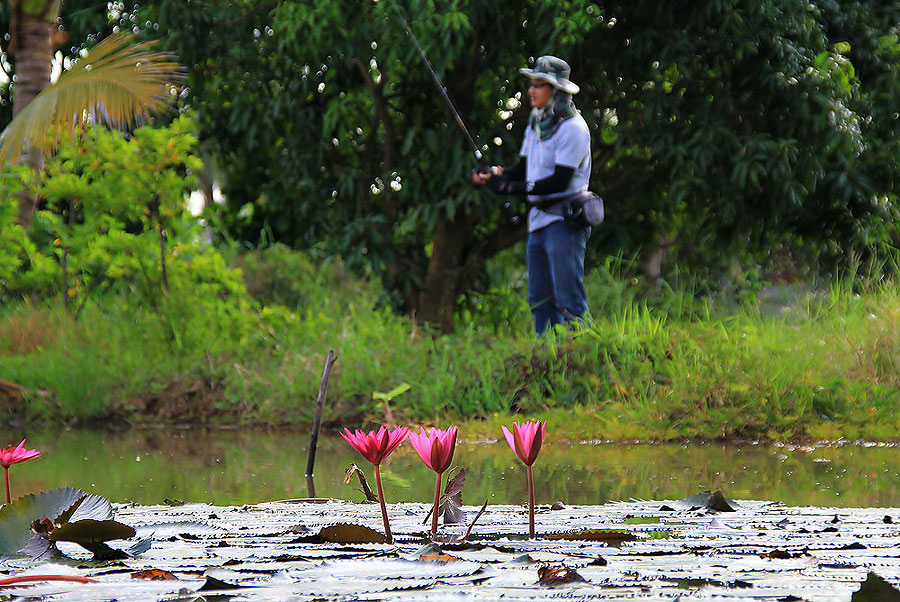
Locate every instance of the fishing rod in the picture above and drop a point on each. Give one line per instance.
(459, 120)
(440, 85)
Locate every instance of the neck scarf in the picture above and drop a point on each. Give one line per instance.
(546, 120)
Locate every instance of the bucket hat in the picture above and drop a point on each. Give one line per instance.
(554, 71)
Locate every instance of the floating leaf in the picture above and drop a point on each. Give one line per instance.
(184, 529)
(875, 589)
(101, 551)
(40, 548)
(442, 557)
(717, 502)
(710, 500)
(695, 582)
(213, 584)
(782, 555)
(329, 588)
(154, 575)
(558, 575)
(56, 506)
(140, 546)
(347, 533)
(92, 531)
(385, 568)
(66, 516)
(612, 538)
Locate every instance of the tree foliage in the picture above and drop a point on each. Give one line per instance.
(116, 219)
(719, 128)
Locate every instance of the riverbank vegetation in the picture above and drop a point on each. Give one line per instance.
(668, 365)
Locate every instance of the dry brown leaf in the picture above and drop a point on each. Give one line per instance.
(558, 575)
(366, 490)
(154, 575)
(439, 558)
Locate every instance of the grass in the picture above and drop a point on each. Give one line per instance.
(662, 366)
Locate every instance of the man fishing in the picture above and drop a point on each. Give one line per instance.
(554, 166)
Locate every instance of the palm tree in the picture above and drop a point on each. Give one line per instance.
(31, 27)
(118, 83)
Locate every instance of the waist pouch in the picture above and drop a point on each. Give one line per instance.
(583, 208)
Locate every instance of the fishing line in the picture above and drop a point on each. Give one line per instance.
(440, 85)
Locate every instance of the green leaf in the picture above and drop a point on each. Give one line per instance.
(16, 518)
(396, 391)
(348, 533)
(90, 531)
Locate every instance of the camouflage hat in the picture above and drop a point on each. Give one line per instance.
(554, 71)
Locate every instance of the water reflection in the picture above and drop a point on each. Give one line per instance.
(236, 467)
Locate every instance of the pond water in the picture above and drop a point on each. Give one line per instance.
(229, 467)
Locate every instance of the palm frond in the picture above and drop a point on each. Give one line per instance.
(117, 83)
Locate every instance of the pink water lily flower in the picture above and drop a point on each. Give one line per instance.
(375, 447)
(525, 440)
(14, 455)
(436, 450)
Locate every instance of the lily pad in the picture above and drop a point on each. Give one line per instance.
(91, 531)
(384, 568)
(347, 533)
(183, 529)
(613, 538)
(876, 589)
(714, 501)
(558, 575)
(65, 505)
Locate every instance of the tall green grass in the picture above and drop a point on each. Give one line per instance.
(661, 363)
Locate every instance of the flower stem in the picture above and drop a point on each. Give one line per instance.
(384, 516)
(27, 578)
(437, 503)
(530, 503)
(8, 498)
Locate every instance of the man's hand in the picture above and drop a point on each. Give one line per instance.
(481, 175)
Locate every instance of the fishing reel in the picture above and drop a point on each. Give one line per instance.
(494, 170)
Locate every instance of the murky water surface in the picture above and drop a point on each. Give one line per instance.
(238, 467)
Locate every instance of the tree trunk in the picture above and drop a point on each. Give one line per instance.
(437, 301)
(33, 50)
(457, 261)
(652, 264)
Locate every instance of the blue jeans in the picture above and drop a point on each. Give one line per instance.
(556, 274)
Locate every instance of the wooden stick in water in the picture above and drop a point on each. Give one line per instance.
(317, 420)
